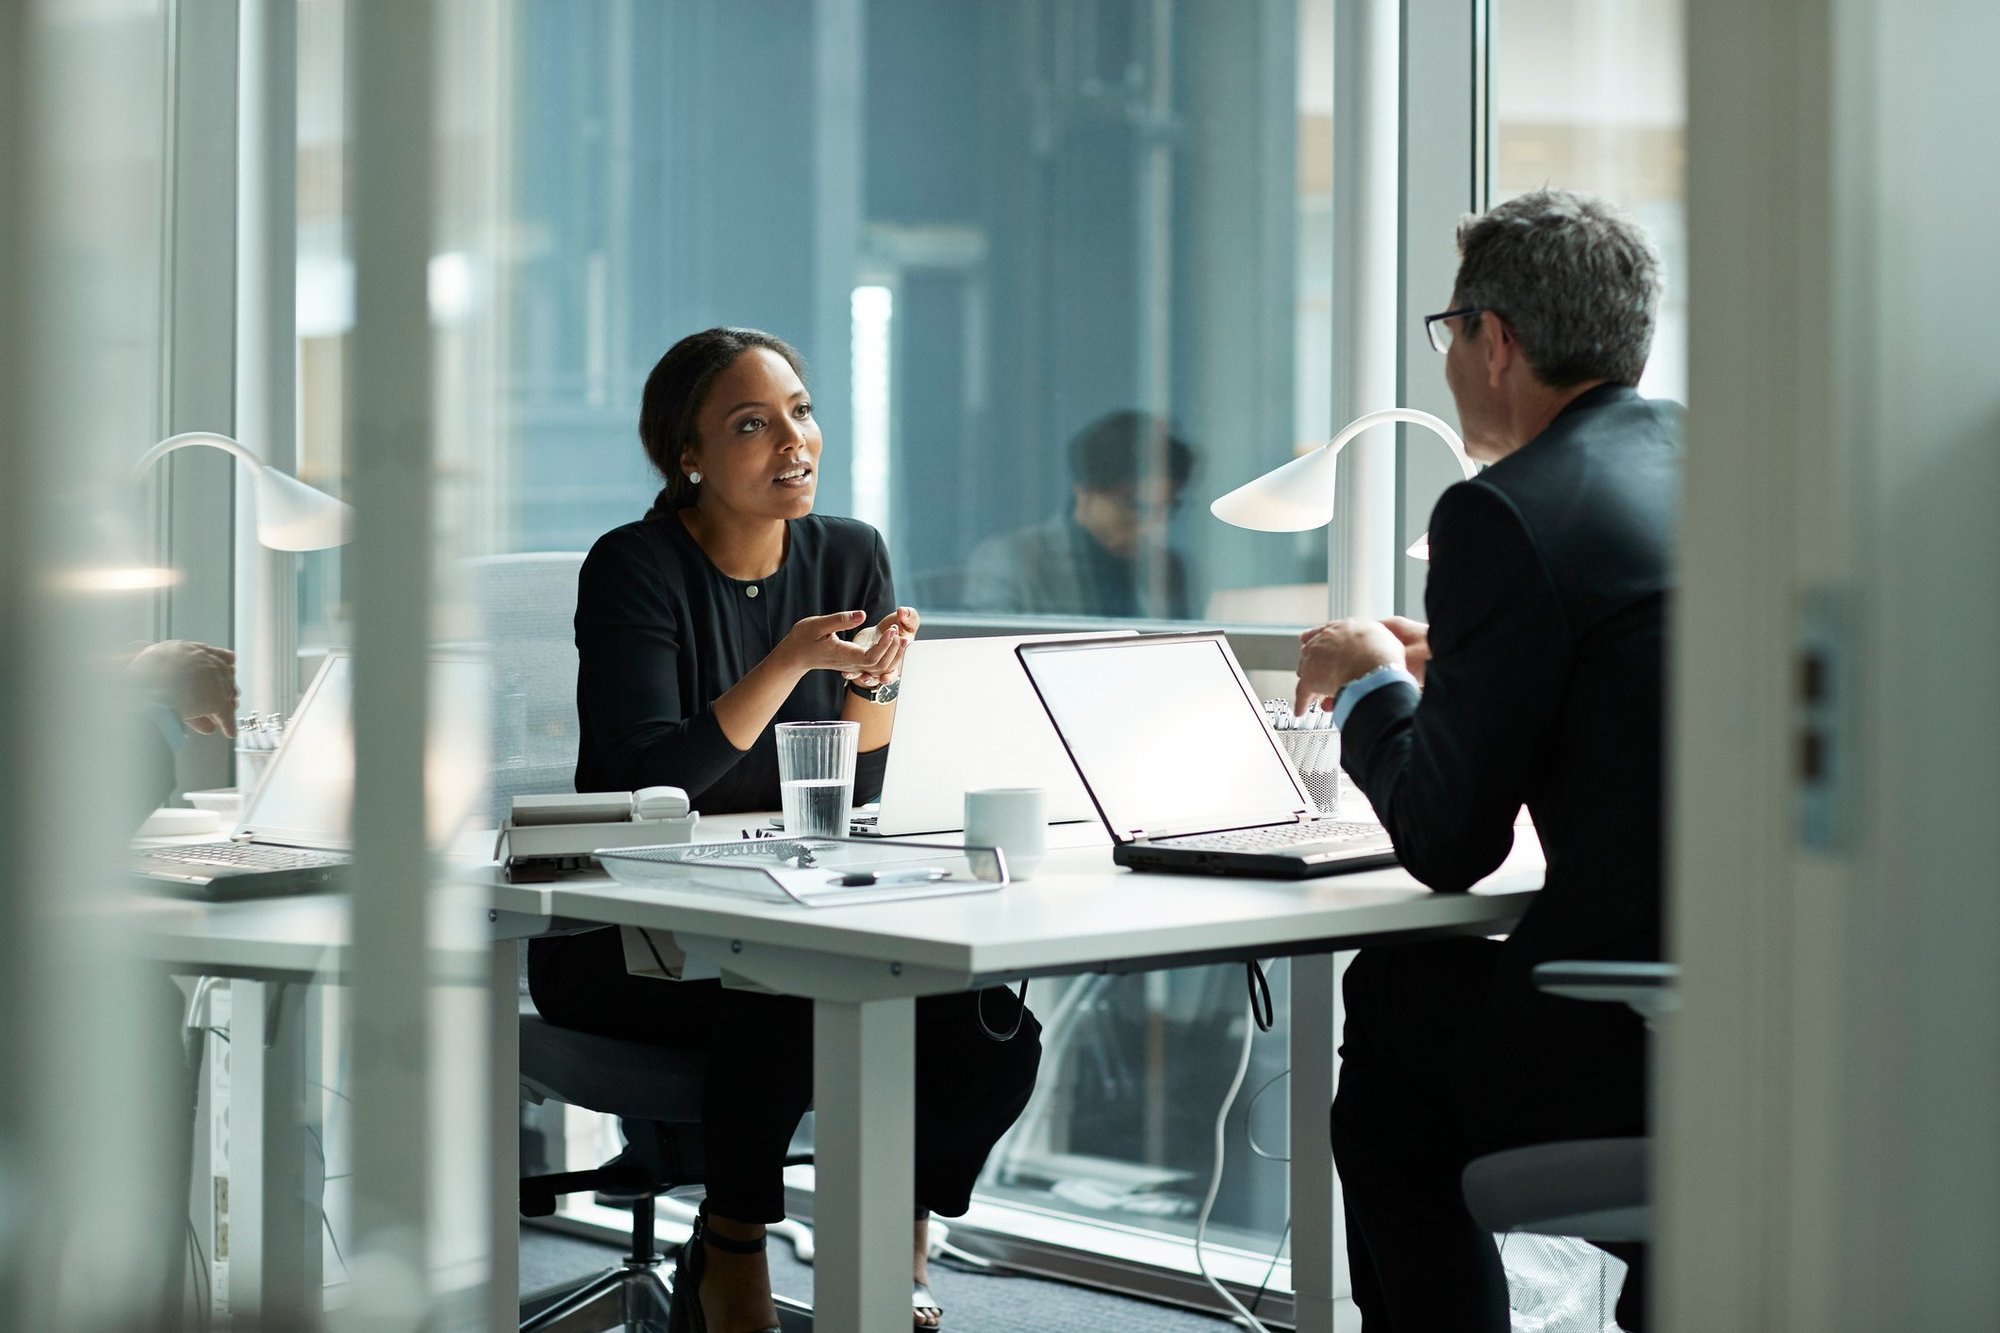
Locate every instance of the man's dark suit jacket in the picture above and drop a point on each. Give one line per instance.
(1547, 601)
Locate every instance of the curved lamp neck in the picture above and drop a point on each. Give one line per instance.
(1411, 416)
(186, 438)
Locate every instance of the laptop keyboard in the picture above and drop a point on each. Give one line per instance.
(246, 856)
(1277, 837)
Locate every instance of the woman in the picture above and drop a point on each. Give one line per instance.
(728, 608)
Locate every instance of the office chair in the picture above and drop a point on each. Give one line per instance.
(656, 1094)
(527, 608)
(635, 1082)
(1599, 1190)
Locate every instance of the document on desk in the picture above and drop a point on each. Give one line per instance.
(811, 872)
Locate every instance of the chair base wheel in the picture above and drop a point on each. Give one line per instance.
(630, 1296)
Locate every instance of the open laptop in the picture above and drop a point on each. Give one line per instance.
(967, 719)
(294, 836)
(1171, 743)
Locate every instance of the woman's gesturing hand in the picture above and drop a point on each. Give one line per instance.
(903, 620)
(814, 644)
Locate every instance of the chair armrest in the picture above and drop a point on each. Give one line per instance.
(1647, 987)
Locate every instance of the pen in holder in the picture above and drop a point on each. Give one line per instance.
(257, 737)
(1313, 746)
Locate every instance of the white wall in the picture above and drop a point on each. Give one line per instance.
(1831, 1136)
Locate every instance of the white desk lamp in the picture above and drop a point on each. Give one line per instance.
(291, 516)
(1298, 496)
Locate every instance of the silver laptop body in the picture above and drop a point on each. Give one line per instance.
(967, 719)
(294, 836)
(1171, 743)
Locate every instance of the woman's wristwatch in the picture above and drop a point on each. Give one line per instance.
(885, 693)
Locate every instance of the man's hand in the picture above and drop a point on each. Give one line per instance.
(196, 680)
(1344, 651)
(1416, 638)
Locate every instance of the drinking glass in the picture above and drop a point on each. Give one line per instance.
(816, 776)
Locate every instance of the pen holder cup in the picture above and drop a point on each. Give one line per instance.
(1316, 754)
(250, 766)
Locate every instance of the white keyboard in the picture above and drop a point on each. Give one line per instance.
(1276, 837)
(246, 856)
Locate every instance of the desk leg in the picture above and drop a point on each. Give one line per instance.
(1319, 1242)
(865, 1175)
(277, 1170)
(503, 1133)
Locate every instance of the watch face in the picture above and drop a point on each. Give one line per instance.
(881, 694)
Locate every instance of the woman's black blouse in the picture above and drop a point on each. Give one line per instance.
(661, 634)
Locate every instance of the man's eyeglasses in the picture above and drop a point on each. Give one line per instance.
(1440, 332)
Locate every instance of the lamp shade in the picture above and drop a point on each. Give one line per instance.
(1293, 498)
(1298, 495)
(291, 516)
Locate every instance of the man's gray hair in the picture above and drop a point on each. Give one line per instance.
(1578, 280)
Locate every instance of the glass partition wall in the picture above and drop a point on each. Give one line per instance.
(1062, 271)
(1053, 265)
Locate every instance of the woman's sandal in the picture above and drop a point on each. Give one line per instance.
(685, 1315)
(922, 1302)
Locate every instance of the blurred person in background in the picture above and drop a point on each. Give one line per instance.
(1105, 555)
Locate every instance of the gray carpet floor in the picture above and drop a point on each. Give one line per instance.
(974, 1302)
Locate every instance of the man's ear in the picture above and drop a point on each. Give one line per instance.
(1501, 347)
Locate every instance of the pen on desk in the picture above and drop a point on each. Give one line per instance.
(855, 879)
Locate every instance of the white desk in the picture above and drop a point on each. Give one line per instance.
(864, 965)
(276, 951)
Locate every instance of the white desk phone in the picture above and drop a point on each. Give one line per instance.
(546, 835)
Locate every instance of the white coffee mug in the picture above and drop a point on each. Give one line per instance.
(1011, 819)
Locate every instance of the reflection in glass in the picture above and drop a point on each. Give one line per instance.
(1105, 554)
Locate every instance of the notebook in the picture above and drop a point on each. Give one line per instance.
(294, 837)
(967, 719)
(1172, 746)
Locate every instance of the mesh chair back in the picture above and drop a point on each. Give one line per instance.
(527, 606)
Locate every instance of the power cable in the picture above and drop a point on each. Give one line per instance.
(1215, 1178)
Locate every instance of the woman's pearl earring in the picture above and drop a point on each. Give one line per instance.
(694, 478)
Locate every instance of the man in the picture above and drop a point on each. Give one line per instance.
(1127, 473)
(185, 685)
(1537, 683)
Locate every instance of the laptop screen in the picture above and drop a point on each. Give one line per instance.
(306, 797)
(1166, 733)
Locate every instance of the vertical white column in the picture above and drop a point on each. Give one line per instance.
(1363, 553)
(267, 152)
(198, 388)
(1441, 179)
(391, 449)
(864, 1124)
